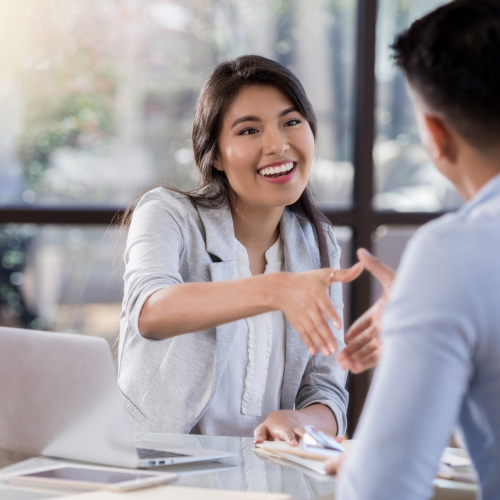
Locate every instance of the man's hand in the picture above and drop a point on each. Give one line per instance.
(363, 339)
(334, 465)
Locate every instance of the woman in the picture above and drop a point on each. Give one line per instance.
(204, 343)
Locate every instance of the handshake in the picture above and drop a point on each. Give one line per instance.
(305, 301)
(363, 339)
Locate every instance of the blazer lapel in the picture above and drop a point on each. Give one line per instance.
(220, 244)
(223, 271)
(297, 259)
(219, 232)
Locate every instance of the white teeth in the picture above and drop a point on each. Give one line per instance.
(276, 170)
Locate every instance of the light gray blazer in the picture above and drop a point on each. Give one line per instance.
(168, 384)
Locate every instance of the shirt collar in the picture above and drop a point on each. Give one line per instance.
(490, 190)
(274, 256)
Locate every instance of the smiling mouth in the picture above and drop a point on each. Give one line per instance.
(277, 171)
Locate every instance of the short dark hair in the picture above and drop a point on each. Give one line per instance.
(451, 57)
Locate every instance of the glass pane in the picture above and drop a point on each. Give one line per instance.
(97, 96)
(61, 278)
(389, 243)
(405, 178)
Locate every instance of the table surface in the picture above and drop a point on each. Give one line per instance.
(248, 473)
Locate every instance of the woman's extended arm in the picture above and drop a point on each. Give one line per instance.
(303, 297)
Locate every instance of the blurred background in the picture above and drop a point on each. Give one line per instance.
(96, 105)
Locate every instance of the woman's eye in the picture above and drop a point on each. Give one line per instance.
(248, 131)
(292, 122)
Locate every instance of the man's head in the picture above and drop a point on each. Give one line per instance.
(451, 58)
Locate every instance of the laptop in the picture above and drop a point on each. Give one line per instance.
(59, 398)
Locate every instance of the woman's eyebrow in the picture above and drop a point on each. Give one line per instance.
(248, 118)
(253, 118)
(291, 109)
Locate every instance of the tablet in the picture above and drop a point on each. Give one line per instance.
(81, 477)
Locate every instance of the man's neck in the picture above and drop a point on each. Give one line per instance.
(477, 169)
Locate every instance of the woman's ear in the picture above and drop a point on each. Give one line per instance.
(217, 164)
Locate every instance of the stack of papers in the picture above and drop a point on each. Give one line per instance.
(456, 468)
(452, 467)
(308, 456)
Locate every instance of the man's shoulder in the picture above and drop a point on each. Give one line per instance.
(441, 232)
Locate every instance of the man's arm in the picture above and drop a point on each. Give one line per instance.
(420, 383)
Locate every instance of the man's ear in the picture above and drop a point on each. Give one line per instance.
(437, 138)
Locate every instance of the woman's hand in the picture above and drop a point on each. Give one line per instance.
(363, 338)
(281, 425)
(304, 299)
(288, 425)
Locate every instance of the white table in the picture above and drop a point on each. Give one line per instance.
(249, 472)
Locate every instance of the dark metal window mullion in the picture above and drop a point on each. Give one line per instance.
(364, 102)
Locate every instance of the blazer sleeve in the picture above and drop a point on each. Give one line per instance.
(152, 255)
(324, 381)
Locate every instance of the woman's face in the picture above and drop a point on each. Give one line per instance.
(266, 148)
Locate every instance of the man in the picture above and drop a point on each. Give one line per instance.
(440, 363)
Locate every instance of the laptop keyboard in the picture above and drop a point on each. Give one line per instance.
(147, 453)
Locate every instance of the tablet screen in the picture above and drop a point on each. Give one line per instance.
(87, 475)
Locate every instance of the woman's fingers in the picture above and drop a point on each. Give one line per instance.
(260, 434)
(304, 335)
(309, 308)
(346, 275)
(286, 434)
(329, 312)
(318, 334)
(299, 431)
(323, 330)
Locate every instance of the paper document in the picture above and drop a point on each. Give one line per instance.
(312, 458)
(299, 451)
(177, 493)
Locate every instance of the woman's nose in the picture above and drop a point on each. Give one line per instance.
(275, 142)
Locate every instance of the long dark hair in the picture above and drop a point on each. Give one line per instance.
(219, 92)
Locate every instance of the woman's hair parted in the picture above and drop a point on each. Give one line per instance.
(218, 94)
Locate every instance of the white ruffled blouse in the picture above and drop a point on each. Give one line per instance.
(250, 388)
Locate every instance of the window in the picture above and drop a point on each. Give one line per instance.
(405, 178)
(96, 101)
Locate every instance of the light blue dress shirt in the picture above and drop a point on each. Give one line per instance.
(440, 366)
